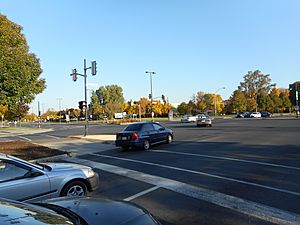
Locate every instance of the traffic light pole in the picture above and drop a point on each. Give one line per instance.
(85, 99)
(74, 75)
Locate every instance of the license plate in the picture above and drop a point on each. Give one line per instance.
(124, 138)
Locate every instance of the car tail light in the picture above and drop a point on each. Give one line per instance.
(135, 136)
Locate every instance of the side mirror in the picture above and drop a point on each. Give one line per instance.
(33, 173)
(162, 128)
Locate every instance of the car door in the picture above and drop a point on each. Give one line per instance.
(149, 132)
(21, 182)
(161, 132)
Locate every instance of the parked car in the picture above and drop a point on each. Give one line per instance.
(74, 211)
(203, 121)
(143, 135)
(243, 115)
(255, 115)
(265, 114)
(25, 181)
(188, 119)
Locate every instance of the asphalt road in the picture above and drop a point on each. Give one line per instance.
(240, 171)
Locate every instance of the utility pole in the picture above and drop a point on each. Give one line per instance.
(151, 95)
(74, 75)
(59, 108)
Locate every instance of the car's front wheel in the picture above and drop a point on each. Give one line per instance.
(146, 144)
(169, 139)
(74, 188)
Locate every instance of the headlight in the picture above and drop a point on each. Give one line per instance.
(89, 173)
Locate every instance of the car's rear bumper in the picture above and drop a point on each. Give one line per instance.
(122, 143)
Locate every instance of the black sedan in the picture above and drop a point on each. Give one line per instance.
(143, 135)
(74, 211)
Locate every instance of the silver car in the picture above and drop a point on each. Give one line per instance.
(203, 121)
(24, 181)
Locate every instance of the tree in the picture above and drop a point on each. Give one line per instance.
(286, 103)
(3, 110)
(19, 70)
(111, 98)
(183, 108)
(238, 101)
(255, 83)
(96, 107)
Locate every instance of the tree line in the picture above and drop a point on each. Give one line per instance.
(255, 93)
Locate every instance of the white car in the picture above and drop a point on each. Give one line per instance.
(255, 115)
(24, 181)
(203, 121)
(188, 119)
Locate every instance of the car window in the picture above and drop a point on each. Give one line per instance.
(157, 126)
(133, 127)
(10, 171)
(147, 127)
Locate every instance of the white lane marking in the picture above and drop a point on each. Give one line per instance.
(24, 138)
(50, 136)
(229, 158)
(141, 194)
(202, 173)
(254, 209)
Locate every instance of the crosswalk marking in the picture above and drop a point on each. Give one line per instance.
(254, 209)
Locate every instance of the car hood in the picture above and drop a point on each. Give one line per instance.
(12, 212)
(66, 166)
(97, 211)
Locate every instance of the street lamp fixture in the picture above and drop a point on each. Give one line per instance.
(151, 97)
(215, 98)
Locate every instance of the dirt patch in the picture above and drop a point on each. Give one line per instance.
(27, 151)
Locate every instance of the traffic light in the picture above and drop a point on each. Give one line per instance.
(94, 67)
(291, 87)
(74, 75)
(163, 98)
(82, 105)
(150, 96)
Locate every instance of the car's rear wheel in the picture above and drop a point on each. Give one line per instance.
(74, 188)
(169, 139)
(146, 144)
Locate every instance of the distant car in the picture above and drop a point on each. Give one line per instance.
(143, 135)
(74, 211)
(265, 114)
(255, 115)
(188, 119)
(203, 121)
(24, 181)
(243, 115)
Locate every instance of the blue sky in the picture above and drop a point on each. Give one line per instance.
(199, 45)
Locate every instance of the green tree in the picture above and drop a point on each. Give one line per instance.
(111, 98)
(265, 103)
(238, 101)
(183, 108)
(19, 70)
(96, 108)
(255, 83)
(286, 102)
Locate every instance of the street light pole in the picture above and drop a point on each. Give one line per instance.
(151, 72)
(215, 99)
(59, 108)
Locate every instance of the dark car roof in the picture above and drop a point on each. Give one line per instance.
(22, 213)
(97, 211)
(138, 125)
